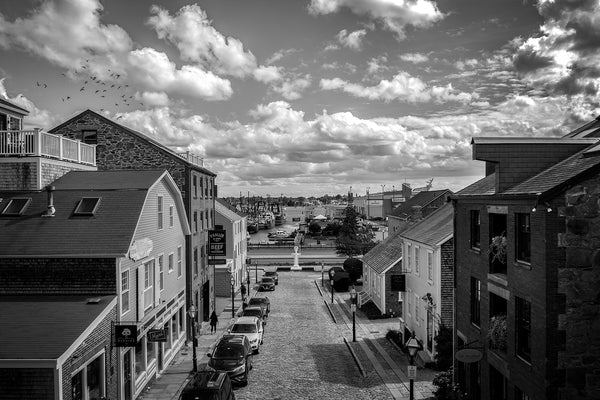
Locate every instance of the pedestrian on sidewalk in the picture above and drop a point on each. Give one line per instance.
(213, 322)
(243, 291)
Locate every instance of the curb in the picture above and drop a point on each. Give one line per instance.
(356, 360)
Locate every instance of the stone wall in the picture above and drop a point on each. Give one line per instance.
(579, 281)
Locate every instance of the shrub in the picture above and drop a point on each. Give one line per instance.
(445, 389)
(354, 267)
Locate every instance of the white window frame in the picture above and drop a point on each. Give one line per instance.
(148, 289)
(430, 270)
(160, 212)
(161, 271)
(171, 262)
(417, 253)
(409, 257)
(125, 289)
(102, 355)
(179, 262)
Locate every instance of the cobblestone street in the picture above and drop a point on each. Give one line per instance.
(304, 355)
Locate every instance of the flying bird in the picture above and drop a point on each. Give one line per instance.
(112, 86)
(142, 104)
(63, 74)
(119, 117)
(38, 84)
(68, 97)
(85, 83)
(82, 89)
(97, 91)
(103, 96)
(45, 86)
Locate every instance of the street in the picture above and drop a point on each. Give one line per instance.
(304, 356)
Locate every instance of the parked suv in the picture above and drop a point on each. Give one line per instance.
(252, 328)
(261, 301)
(266, 284)
(232, 354)
(208, 385)
(272, 274)
(256, 311)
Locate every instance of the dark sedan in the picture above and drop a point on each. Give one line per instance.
(272, 274)
(266, 284)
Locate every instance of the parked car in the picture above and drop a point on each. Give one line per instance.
(272, 274)
(260, 301)
(208, 385)
(266, 284)
(256, 311)
(252, 328)
(232, 354)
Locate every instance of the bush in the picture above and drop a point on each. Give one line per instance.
(445, 389)
(443, 347)
(354, 267)
(341, 282)
(314, 228)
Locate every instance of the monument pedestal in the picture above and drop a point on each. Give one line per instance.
(296, 266)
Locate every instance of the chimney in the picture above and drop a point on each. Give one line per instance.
(50, 211)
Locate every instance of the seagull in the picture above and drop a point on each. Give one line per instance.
(62, 99)
(112, 86)
(97, 91)
(116, 105)
(142, 104)
(38, 84)
(102, 96)
(119, 117)
(63, 74)
(45, 86)
(85, 83)
(82, 89)
(102, 109)
(126, 85)
(68, 97)
(104, 91)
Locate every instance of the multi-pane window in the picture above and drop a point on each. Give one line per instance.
(523, 237)
(195, 184)
(475, 229)
(195, 259)
(170, 262)
(417, 260)
(159, 210)
(408, 257)
(475, 301)
(523, 328)
(179, 261)
(409, 298)
(161, 271)
(430, 266)
(201, 186)
(417, 312)
(124, 291)
(201, 220)
(171, 215)
(148, 284)
(195, 221)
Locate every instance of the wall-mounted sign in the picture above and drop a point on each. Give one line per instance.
(216, 242)
(125, 335)
(157, 335)
(398, 283)
(217, 261)
(140, 248)
(468, 356)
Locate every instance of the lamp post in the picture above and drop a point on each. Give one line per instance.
(368, 205)
(232, 294)
(331, 286)
(192, 314)
(353, 299)
(322, 266)
(413, 346)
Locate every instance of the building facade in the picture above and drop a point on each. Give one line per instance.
(233, 273)
(119, 147)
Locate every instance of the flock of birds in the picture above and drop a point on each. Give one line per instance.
(102, 89)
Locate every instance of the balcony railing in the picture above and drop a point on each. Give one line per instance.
(39, 143)
(193, 158)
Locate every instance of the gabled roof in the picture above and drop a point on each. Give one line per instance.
(106, 233)
(9, 105)
(45, 327)
(385, 254)
(222, 207)
(589, 130)
(140, 135)
(483, 187)
(421, 199)
(434, 229)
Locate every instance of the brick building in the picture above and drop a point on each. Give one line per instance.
(526, 258)
(428, 265)
(117, 236)
(119, 147)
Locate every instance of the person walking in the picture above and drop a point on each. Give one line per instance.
(213, 322)
(243, 291)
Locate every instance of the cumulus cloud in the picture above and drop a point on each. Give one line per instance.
(198, 41)
(268, 74)
(154, 69)
(402, 87)
(415, 58)
(37, 118)
(153, 99)
(288, 85)
(67, 33)
(564, 57)
(352, 40)
(393, 15)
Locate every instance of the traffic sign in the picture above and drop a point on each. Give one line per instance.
(353, 307)
(412, 372)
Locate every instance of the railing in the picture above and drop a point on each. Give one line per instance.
(363, 297)
(193, 158)
(38, 143)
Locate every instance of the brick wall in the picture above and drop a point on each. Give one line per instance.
(57, 276)
(99, 339)
(26, 383)
(579, 291)
(447, 283)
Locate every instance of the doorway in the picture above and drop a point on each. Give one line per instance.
(205, 300)
(127, 392)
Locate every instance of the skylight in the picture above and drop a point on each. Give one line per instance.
(16, 206)
(87, 206)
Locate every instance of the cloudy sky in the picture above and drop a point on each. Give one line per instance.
(308, 97)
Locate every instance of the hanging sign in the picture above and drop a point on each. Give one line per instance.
(157, 335)
(468, 356)
(216, 242)
(125, 335)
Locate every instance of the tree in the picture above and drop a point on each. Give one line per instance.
(354, 267)
(443, 347)
(353, 239)
(314, 228)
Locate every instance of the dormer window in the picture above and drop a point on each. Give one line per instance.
(87, 206)
(16, 206)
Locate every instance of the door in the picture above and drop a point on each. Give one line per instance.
(160, 356)
(205, 300)
(127, 395)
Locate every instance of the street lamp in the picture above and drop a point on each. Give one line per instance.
(192, 314)
(331, 285)
(413, 346)
(353, 298)
(322, 266)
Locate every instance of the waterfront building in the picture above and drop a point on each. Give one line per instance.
(233, 273)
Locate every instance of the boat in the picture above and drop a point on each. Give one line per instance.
(278, 234)
(252, 226)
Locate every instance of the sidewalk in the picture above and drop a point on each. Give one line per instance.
(168, 386)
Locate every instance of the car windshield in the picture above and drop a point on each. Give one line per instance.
(252, 313)
(270, 273)
(244, 328)
(257, 300)
(229, 351)
(267, 280)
